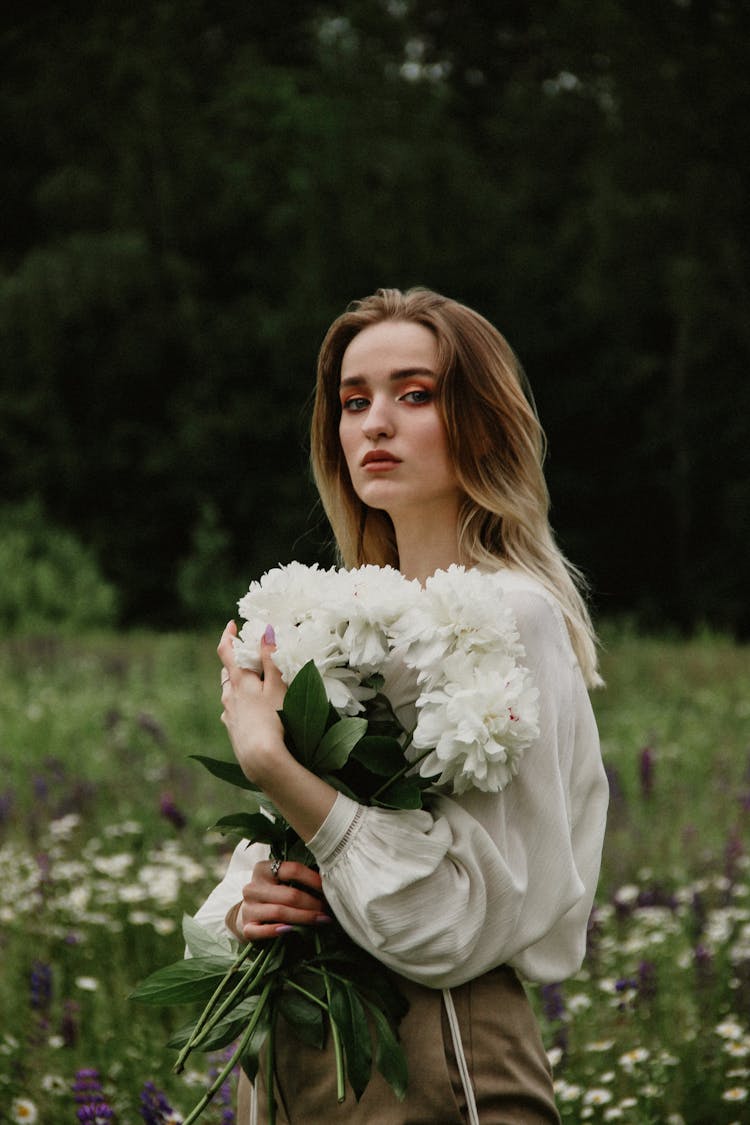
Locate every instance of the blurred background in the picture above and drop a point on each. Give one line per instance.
(192, 191)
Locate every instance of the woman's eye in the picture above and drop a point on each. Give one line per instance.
(354, 404)
(418, 396)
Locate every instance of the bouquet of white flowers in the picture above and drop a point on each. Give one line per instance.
(394, 691)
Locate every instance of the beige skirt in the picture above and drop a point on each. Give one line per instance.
(507, 1066)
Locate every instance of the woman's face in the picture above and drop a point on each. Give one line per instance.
(391, 431)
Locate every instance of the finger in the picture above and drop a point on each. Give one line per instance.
(225, 647)
(288, 871)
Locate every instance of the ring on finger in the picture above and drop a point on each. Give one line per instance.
(275, 867)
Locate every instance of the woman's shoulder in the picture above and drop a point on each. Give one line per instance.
(538, 613)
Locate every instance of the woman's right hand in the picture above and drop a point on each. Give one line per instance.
(270, 905)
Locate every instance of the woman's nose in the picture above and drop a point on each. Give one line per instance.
(378, 421)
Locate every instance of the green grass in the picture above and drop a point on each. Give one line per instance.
(96, 733)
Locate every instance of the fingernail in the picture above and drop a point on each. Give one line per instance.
(269, 636)
(322, 919)
(284, 929)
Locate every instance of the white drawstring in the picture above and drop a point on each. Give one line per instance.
(458, 1047)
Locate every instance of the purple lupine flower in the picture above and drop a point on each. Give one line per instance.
(646, 771)
(40, 986)
(96, 1113)
(93, 1108)
(553, 1002)
(155, 1108)
(170, 811)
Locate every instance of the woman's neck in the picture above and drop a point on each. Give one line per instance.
(425, 547)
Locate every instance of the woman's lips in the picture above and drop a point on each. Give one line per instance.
(378, 462)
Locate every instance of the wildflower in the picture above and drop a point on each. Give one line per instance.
(54, 1084)
(89, 1096)
(634, 1058)
(554, 1056)
(87, 984)
(567, 1091)
(600, 1045)
(597, 1096)
(23, 1110)
(553, 1002)
(729, 1029)
(735, 1094)
(155, 1108)
(171, 812)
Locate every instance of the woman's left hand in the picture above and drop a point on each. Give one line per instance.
(251, 703)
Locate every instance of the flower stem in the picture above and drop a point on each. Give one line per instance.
(337, 1048)
(208, 1018)
(239, 1051)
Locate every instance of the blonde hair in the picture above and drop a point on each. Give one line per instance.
(495, 440)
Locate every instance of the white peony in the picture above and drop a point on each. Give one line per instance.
(456, 637)
(459, 611)
(478, 725)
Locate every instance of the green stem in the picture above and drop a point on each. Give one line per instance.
(309, 995)
(242, 1045)
(247, 980)
(270, 1066)
(206, 1019)
(337, 1048)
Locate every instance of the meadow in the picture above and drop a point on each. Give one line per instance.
(104, 843)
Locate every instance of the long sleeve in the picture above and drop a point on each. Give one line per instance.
(229, 891)
(485, 879)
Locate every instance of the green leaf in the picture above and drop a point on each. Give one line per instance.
(226, 771)
(194, 978)
(405, 793)
(225, 1031)
(390, 1057)
(348, 1013)
(250, 1059)
(380, 754)
(305, 711)
(304, 1017)
(203, 942)
(255, 827)
(337, 744)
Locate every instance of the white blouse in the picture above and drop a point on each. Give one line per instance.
(481, 879)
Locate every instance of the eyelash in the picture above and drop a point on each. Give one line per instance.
(349, 404)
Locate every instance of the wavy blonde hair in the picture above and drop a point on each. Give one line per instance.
(496, 442)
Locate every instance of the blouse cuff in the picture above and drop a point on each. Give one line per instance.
(337, 830)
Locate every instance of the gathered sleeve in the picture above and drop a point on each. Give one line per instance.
(443, 894)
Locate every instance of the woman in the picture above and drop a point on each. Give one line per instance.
(427, 452)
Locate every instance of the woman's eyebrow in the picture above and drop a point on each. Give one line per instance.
(394, 377)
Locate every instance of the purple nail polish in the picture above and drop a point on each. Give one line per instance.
(269, 636)
(323, 919)
(284, 929)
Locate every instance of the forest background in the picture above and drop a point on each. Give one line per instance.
(193, 190)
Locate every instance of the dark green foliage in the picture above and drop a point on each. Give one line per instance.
(192, 192)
